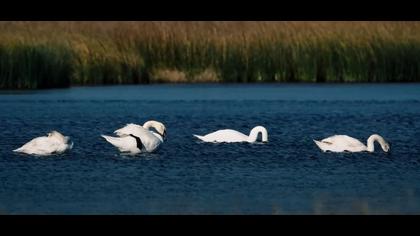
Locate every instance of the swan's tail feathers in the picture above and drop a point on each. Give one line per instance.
(198, 136)
(18, 149)
(320, 144)
(116, 141)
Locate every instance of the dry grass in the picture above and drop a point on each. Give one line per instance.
(60, 54)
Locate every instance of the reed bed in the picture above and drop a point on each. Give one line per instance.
(60, 54)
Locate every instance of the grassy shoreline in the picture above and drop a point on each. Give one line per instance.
(62, 54)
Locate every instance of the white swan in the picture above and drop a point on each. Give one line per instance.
(53, 143)
(135, 139)
(230, 136)
(344, 143)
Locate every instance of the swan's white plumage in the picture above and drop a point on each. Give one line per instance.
(232, 136)
(124, 144)
(225, 135)
(149, 139)
(341, 143)
(54, 143)
(344, 143)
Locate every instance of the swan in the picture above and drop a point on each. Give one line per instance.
(53, 143)
(134, 138)
(344, 143)
(230, 136)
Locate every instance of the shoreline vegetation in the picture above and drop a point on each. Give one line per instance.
(35, 55)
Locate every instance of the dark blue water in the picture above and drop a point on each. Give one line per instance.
(288, 175)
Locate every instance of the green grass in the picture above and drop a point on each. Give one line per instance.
(60, 54)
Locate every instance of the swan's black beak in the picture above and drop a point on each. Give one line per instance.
(164, 135)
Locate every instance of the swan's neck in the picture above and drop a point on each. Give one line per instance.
(149, 124)
(253, 135)
(160, 129)
(371, 142)
(158, 136)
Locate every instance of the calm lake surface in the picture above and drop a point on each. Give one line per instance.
(288, 175)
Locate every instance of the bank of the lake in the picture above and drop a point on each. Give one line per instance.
(61, 54)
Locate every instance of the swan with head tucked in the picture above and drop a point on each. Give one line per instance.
(344, 143)
(135, 139)
(53, 143)
(231, 136)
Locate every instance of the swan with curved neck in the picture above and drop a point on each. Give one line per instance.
(134, 138)
(231, 136)
(344, 143)
(158, 126)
